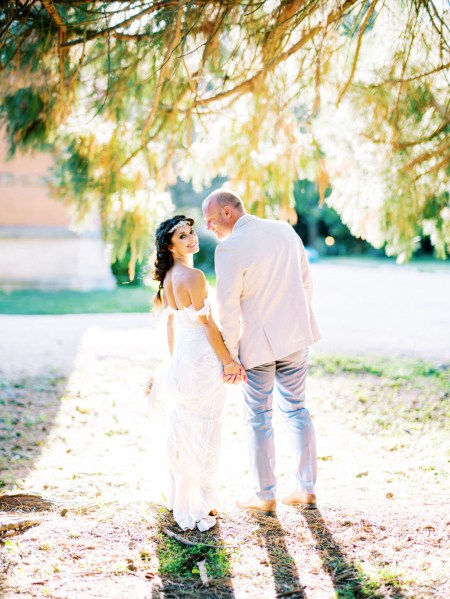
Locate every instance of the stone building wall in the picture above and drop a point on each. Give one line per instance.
(39, 247)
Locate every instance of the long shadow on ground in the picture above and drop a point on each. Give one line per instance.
(28, 408)
(348, 580)
(284, 570)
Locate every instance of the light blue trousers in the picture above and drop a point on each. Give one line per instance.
(288, 376)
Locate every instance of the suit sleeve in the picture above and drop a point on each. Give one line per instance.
(306, 272)
(230, 279)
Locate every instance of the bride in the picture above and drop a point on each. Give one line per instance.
(193, 385)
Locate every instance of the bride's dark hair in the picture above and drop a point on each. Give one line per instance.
(163, 258)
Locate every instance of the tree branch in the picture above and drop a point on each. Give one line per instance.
(414, 78)
(358, 48)
(162, 72)
(62, 31)
(408, 144)
(181, 539)
(90, 35)
(22, 40)
(427, 155)
(248, 84)
(443, 162)
(131, 37)
(426, 3)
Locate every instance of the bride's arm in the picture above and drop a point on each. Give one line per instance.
(198, 293)
(170, 331)
(170, 334)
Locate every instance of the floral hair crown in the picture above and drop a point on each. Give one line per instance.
(181, 223)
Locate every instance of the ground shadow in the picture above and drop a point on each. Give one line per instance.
(284, 570)
(178, 568)
(28, 408)
(348, 580)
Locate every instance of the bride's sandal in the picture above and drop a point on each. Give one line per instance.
(213, 512)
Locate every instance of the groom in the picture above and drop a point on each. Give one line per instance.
(264, 292)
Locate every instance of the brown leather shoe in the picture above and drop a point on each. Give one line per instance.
(304, 500)
(263, 506)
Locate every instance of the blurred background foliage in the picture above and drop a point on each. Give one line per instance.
(332, 115)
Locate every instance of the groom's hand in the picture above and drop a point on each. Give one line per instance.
(243, 374)
(231, 374)
(235, 374)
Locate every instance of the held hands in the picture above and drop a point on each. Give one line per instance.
(234, 373)
(148, 387)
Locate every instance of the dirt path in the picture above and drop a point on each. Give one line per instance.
(383, 309)
(82, 439)
(380, 310)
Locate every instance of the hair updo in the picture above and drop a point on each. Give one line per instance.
(163, 258)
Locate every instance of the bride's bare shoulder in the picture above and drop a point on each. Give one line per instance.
(194, 278)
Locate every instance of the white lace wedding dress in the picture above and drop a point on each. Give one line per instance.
(192, 394)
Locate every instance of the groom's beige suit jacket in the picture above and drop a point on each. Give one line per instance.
(264, 292)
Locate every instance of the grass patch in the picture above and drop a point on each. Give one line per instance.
(381, 394)
(122, 299)
(364, 581)
(181, 560)
(381, 581)
(391, 368)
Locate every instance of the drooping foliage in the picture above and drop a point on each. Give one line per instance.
(129, 95)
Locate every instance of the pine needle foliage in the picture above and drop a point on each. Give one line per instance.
(352, 94)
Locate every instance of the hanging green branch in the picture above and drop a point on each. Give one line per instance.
(128, 95)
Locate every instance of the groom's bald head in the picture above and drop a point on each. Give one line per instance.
(221, 209)
(222, 198)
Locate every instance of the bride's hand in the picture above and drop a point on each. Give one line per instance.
(234, 374)
(148, 387)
